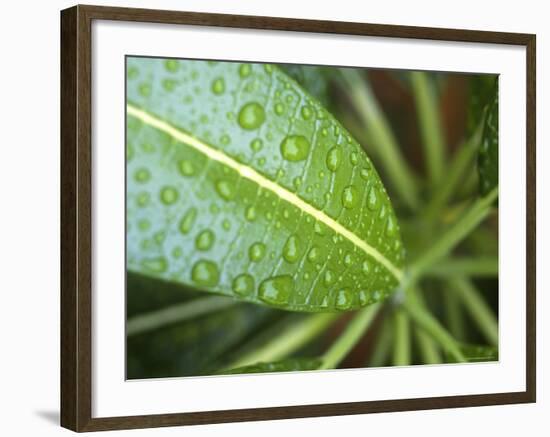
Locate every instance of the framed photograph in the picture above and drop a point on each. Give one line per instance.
(268, 218)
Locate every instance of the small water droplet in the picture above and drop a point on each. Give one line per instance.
(225, 139)
(354, 158)
(168, 195)
(186, 167)
(329, 278)
(205, 273)
(218, 86)
(313, 254)
(372, 202)
(306, 112)
(144, 225)
(279, 108)
(250, 213)
(142, 175)
(349, 197)
(205, 240)
(291, 252)
(169, 84)
(334, 157)
(365, 267)
(172, 65)
(245, 70)
(251, 116)
(348, 259)
(225, 189)
(243, 285)
(145, 89)
(276, 290)
(391, 226)
(344, 299)
(297, 182)
(268, 68)
(226, 224)
(364, 297)
(143, 199)
(318, 229)
(188, 220)
(155, 265)
(256, 252)
(177, 252)
(295, 148)
(365, 173)
(256, 144)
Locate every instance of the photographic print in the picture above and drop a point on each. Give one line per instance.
(302, 218)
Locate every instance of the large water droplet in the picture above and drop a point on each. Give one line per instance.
(251, 116)
(276, 290)
(172, 65)
(205, 240)
(313, 254)
(364, 297)
(244, 70)
(373, 201)
(188, 221)
(205, 273)
(349, 197)
(256, 252)
(243, 285)
(334, 157)
(225, 189)
(168, 195)
(156, 265)
(142, 175)
(186, 167)
(344, 299)
(291, 252)
(391, 226)
(218, 86)
(295, 148)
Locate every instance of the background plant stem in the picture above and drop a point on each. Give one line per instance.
(399, 173)
(477, 307)
(427, 109)
(402, 343)
(481, 266)
(349, 338)
(289, 340)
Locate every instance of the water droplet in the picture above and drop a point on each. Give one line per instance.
(318, 228)
(391, 226)
(205, 273)
(313, 254)
(143, 199)
(256, 145)
(225, 139)
(250, 213)
(349, 197)
(177, 252)
(205, 240)
(291, 251)
(169, 84)
(348, 259)
(171, 65)
(168, 195)
(226, 225)
(306, 112)
(334, 157)
(245, 70)
(295, 148)
(256, 252)
(276, 290)
(365, 267)
(268, 68)
(329, 278)
(279, 108)
(142, 175)
(218, 86)
(372, 202)
(225, 189)
(132, 72)
(188, 221)
(156, 265)
(145, 89)
(251, 116)
(354, 158)
(144, 225)
(186, 167)
(297, 182)
(364, 297)
(344, 299)
(365, 173)
(243, 285)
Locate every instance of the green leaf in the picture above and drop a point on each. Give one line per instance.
(476, 353)
(314, 79)
(193, 347)
(488, 153)
(288, 365)
(482, 89)
(240, 183)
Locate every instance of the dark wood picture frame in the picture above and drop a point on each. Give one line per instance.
(76, 217)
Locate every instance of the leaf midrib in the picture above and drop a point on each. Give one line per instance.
(259, 179)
